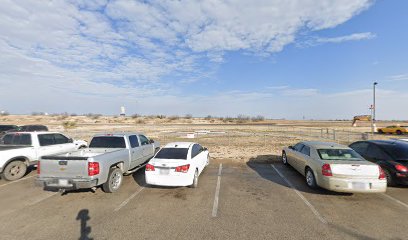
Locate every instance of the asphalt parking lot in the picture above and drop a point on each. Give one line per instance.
(233, 201)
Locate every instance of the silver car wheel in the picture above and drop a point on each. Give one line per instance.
(284, 158)
(116, 180)
(309, 178)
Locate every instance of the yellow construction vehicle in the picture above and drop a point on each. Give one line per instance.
(365, 118)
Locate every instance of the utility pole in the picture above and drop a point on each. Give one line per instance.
(373, 127)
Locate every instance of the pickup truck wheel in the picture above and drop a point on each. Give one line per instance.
(115, 179)
(14, 170)
(195, 180)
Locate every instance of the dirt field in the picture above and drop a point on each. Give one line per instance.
(235, 139)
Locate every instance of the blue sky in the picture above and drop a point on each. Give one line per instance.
(281, 59)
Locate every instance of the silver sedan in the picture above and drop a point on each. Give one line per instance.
(334, 167)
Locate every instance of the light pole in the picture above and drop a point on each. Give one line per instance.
(373, 127)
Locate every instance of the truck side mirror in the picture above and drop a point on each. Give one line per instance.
(70, 140)
(290, 147)
(151, 141)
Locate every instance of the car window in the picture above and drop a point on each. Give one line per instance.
(398, 151)
(196, 149)
(17, 139)
(46, 139)
(306, 150)
(298, 147)
(60, 139)
(172, 153)
(339, 154)
(133, 141)
(360, 147)
(143, 140)
(108, 142)
(375, 152)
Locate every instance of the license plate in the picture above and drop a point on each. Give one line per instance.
(63, 182)
(164, 171)
(358, 185)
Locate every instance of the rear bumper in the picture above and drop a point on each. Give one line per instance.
(354, 185)
(402, 178)
(169, 180)
(58, 183)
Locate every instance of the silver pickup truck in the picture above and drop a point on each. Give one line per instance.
(107, 159)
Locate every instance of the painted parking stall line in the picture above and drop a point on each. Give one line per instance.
(124, 203)
(311, 207)
(217, 193)
(394, 200)
(16, 181)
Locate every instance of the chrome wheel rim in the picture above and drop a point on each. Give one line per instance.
(284, 160)
(116, 180)
(309, 178)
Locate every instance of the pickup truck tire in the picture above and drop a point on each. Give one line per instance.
(115, 179)
(14, 170)
(195, 180)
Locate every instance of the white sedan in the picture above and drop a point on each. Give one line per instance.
(177, 164)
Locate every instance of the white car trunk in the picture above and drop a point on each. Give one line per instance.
(355, 170)
(167, 166)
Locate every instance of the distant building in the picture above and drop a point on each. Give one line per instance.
(122, 111)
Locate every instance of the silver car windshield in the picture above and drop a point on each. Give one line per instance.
(339, 154)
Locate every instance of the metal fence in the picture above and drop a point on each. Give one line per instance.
(241, 137)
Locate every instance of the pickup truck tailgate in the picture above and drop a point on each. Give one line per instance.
(63, 167)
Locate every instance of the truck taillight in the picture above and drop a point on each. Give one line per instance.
(401, 168)
(382, 173)
(93, 168)
(38, 167)
(149, 167)
(183, 168)
(326, 170)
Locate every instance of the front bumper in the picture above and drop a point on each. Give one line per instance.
(69, 184)
(354, 185)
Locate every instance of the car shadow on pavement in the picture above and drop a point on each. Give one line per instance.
(262, 165)
(85, 230)
(139, 177)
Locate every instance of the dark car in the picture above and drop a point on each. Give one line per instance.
(5, 128)
(391, 155)
(30, 128)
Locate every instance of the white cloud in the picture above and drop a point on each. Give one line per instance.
(351, 37)
(314, 41)
(99, 54)
(400, 77)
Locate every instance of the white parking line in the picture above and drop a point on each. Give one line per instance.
(395, 200)
(217, 193)
(128, 199)
(16, 181)
(315, 212)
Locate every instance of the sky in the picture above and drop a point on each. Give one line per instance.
(293, 59)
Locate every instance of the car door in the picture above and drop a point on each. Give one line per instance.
(147, 147)
(296, 156)
(304, 158)
(196, 157)
(136, 152)
(48, 145)
(64, 143)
